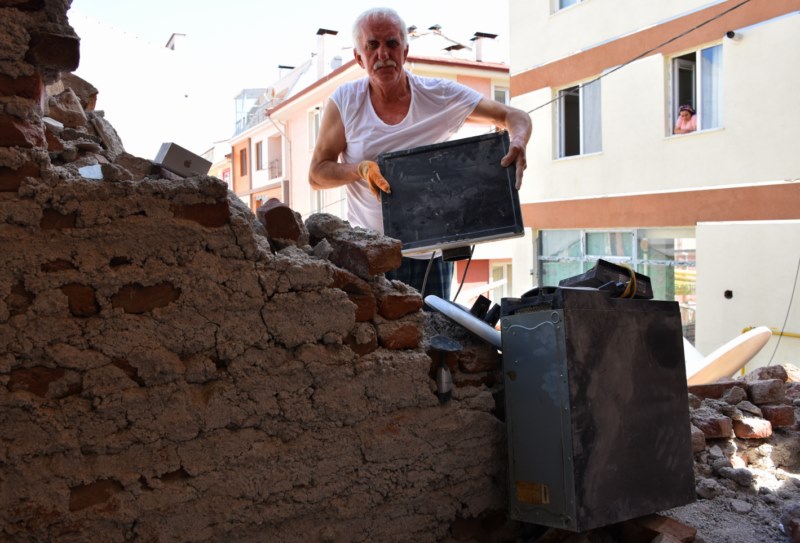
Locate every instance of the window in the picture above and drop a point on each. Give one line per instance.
(501, 95)
(666, 256)
(313, 127)
(259, 156)
(561, 4)
(501, 282)
(697, 81)
(243, 162)
(579, 122)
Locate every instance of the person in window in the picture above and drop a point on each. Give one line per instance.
(391, 109)
(687, 120)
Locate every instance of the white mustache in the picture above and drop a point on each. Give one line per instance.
(388, 64)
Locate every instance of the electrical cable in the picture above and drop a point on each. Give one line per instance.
(641, 55)
(427, 271)
(464, 275)
(788, 310)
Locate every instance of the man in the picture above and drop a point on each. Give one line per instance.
(391, 110)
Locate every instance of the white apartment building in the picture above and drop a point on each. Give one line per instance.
(712, 216)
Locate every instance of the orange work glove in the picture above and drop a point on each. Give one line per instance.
(371, 173)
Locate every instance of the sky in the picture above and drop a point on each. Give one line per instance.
(153, 95)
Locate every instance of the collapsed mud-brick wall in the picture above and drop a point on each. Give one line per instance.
(169, 371)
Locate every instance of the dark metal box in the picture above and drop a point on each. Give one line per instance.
(596, 410)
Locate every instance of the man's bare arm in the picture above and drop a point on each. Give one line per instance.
(518, 124)
(325, 171)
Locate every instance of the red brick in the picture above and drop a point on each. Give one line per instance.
(34, 380)
(30, 86)
(397, 335)
(771, 391)
(752, 428)
(85, 91)
(780, 416)
(396, 299)
(57, 265)
(83, 496)
(792, 391)
(15, 132)
(366, 253)
(714, 390)
(54, 144)
(55, 51)
(11, 179)
(358, 291)
(137, 299)
(82, 300)
(284, 226)
(765, 373)
(208, 215)
(19, 299)
(53, 220)
(717, 426)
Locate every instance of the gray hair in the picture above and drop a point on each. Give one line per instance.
(378, 14)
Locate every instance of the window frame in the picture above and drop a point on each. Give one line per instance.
(561, 121)
(679, 63)
(314, 120)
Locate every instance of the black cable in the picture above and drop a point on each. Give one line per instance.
(464, 275)
(637, 57)
(788, 309)
(427, 271)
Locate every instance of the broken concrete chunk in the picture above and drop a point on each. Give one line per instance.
(67, 109)
(108, 135)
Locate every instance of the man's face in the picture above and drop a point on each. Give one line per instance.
(382, 53)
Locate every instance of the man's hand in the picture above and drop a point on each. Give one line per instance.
(371, 173)
(516, 154)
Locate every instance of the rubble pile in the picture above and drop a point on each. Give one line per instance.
(173, 368)
(747, 457)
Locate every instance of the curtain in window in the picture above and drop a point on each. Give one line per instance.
(592, 125)
(711, 87)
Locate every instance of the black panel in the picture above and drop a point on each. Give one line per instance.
(451, 194)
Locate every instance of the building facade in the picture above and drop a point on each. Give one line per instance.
(712, 215)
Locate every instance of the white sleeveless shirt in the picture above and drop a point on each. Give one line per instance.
(438, 109)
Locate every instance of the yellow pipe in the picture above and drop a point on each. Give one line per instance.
(775, 332)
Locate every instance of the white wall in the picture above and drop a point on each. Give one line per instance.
(757, 262)
(757, 144)
(540, 36)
